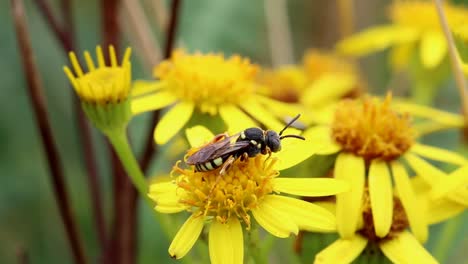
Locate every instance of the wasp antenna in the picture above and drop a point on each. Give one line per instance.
(292, 136)
(288, 124)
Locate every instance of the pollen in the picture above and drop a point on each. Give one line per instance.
(208, 80)
(423, 15)
(371, 129)
(399, 221)
(233, 194)
(102, 84)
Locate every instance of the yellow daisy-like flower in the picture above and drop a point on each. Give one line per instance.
(103, 90)
(209, 83)
(400, 246)
(415, 28)
(320, 81)
(370, 138)
(249, 188)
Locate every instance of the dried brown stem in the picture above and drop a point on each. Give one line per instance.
(35, 91)
(149, 146)
(66, 38)
(455, 62)
(139, 32)
(279, 33)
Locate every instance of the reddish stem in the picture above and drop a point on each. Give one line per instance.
(35, 91)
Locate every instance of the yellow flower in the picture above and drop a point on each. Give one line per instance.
(415, 28)
(460, 33)
(249, 188)
(103, 90)
(370, 138)
(320, 81)
(208, 83)
(399, 246)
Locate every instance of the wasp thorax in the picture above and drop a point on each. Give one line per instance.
(399, 220)
(232, 194)
(371, 129)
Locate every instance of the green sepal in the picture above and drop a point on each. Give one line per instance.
(108, 117)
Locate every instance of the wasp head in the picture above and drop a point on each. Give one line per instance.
(272, 141)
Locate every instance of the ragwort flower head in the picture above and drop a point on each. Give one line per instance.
(370, 138)
(249, 188)
(208, 83)
(104, 90)
(415, 29)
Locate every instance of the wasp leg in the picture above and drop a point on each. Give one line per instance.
(219, 137)
(223, 170)
(244, 156)
(268, 151)
(226, 166)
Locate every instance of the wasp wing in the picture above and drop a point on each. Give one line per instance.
(206, 152)
(215, 150)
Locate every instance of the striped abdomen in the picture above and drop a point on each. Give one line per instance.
(211, 165)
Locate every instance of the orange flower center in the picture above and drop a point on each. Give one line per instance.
(232, 194)
(399, 220)
(371, 129)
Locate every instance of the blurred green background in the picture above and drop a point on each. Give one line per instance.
(29, 218)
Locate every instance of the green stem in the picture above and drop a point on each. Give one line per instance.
(446, 237)
(254, 249)
(120, 143)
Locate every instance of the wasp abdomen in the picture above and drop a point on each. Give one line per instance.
(210, 165)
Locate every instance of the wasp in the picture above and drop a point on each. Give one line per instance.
(223, 150)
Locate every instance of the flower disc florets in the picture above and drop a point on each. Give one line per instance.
(372, 129)
(208, 80)
(399, 220)
(232, 194)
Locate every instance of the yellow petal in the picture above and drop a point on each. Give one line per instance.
(198, 136)
(321, 139)
(381, 197)
(226, 242)
(447, 185)
(328, 88)
(415, 213)
(152, 102)
(424, 169)
(404, 248)
(400, 55)
(351, 169)
(274, 220)
(375, 39)
(143, 87)
(186, 237)
(310, 187)
(438, 154)
(261, 114)
(436, 178)
(279, 108)
(293, 151)
(342, 251)
(163, 187)
(442, 210)
(307, 216)
(172, 122)
(430, 113)
(433, 48)
(235, 119)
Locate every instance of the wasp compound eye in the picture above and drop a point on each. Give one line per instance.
(273, 141)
